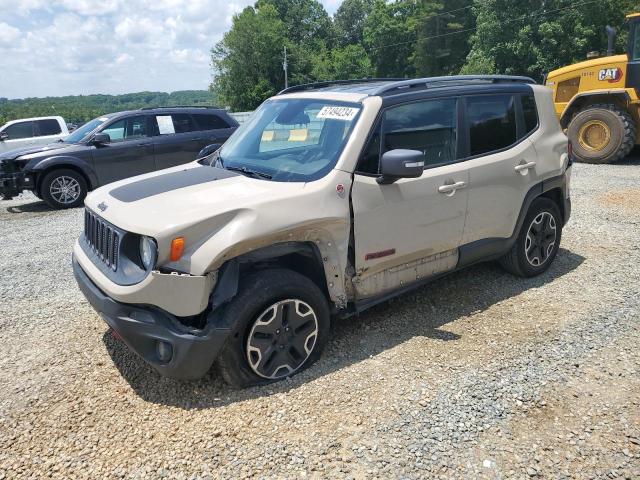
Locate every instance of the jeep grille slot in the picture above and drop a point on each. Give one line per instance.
(102, 239)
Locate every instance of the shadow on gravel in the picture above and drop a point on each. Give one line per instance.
(421, 313)
(35, 207)
(632, 159)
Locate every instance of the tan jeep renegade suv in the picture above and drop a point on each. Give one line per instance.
(331, 198)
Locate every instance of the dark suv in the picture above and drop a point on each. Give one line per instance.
(110, 148)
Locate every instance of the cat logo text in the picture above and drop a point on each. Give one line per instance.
(610, 75)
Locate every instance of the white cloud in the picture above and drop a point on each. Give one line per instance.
(8, 34)
(70, 47)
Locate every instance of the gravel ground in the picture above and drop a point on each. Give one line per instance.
(480, 375)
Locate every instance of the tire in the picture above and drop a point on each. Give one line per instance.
(256, 352)
(521, 259)
(63, 188)
(613, 134)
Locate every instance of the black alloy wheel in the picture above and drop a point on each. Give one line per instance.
(282, 339)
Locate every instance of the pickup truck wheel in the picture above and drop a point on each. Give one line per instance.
(63, 188)
(282, 326)
(538, 240)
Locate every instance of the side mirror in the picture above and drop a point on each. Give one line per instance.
(400, 163)
(3, 136)
(208, 150)
(101, 138)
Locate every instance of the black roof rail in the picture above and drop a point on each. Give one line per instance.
(182, 106)
(330, 83)
(434, 82)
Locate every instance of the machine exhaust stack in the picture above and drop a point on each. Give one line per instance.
(611, 37)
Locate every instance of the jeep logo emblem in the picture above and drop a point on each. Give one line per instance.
(610, 74)
(102, 206)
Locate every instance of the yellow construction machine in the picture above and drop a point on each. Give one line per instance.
(597, 100)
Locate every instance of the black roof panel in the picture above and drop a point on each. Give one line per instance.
(385, 86)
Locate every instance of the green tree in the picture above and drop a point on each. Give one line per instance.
(350, 62)
(442, 33)
(349, 21)
(247, 62)
(536, 36)
(81, 108)
(389, 38)
(306, 21)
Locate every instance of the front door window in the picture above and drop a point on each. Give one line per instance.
(127, 129)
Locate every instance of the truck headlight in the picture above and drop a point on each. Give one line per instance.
(147, 251)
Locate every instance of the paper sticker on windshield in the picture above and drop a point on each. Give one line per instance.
(338, 113)
(165, 124)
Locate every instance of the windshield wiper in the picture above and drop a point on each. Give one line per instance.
(249, 172)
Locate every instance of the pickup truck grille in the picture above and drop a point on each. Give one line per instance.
(102, 238)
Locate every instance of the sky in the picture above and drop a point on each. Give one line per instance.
(79, 47)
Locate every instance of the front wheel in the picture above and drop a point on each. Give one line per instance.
(282, 326)
(63, 188)
(538, 240)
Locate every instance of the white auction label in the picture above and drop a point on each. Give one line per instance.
(165, 124)
(338, 113)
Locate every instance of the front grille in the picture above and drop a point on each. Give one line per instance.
(102, 238)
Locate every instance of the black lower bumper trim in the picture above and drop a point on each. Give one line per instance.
(12, 184)
(141, 328)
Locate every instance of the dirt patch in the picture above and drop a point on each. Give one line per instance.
(627, 200)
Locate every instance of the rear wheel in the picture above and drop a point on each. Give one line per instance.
(63, 188)
(282, 326)
(602, 133)
(538, 240)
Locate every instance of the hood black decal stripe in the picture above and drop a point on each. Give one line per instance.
(132, 192)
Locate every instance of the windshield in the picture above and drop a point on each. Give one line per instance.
(82, 132)
(291, 140)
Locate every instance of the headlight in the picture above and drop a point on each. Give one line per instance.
(147, 251)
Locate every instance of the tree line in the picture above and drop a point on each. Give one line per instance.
(82, 108)
(405, 38)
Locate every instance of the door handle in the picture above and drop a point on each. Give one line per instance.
(451, 187)
(524, 166)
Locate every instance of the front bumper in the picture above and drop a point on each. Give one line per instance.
(12, 184)
(143, 327)
(178, 294)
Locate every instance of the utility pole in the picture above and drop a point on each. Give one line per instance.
(285, 67)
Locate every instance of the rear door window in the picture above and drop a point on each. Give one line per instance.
(19, 130)
(492, 123)
(48, 127)
(208, 121)
(429, 126)
(175, 123)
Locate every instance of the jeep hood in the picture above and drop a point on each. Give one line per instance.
(177, 199)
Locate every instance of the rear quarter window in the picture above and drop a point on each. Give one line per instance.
(529, 113)
(48, 127)
(209, 121)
